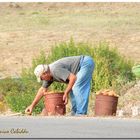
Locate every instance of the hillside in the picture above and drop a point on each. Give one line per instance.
(27, 28)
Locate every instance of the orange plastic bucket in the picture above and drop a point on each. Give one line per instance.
(105, 105)
(54, 104)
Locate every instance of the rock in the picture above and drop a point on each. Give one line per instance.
(131, 101)
(135, 111)
(14, 5)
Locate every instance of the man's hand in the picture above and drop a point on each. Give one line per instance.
(65, 98)
(38, 96)
(72, 79)
(29, 110)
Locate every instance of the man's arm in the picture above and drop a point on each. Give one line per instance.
(38, 96)
(72, 79)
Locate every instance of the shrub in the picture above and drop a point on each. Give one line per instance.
(19, 101)
(111, 71)
(10, 85)
(21, 92)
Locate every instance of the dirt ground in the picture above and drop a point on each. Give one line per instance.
(27, 28)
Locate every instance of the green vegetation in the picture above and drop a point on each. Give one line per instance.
(19, 93)
(111, 71)
(136, 71)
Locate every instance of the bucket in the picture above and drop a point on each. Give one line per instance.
(105, 105)
(54, 104)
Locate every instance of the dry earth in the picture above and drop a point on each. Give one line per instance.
(27, 28)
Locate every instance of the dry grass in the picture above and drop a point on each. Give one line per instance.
(31, 27)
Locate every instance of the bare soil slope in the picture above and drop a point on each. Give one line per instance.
(27, 28)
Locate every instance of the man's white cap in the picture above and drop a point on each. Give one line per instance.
(39, 70)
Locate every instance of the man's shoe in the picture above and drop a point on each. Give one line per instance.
(71, 114)
(80, 115)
